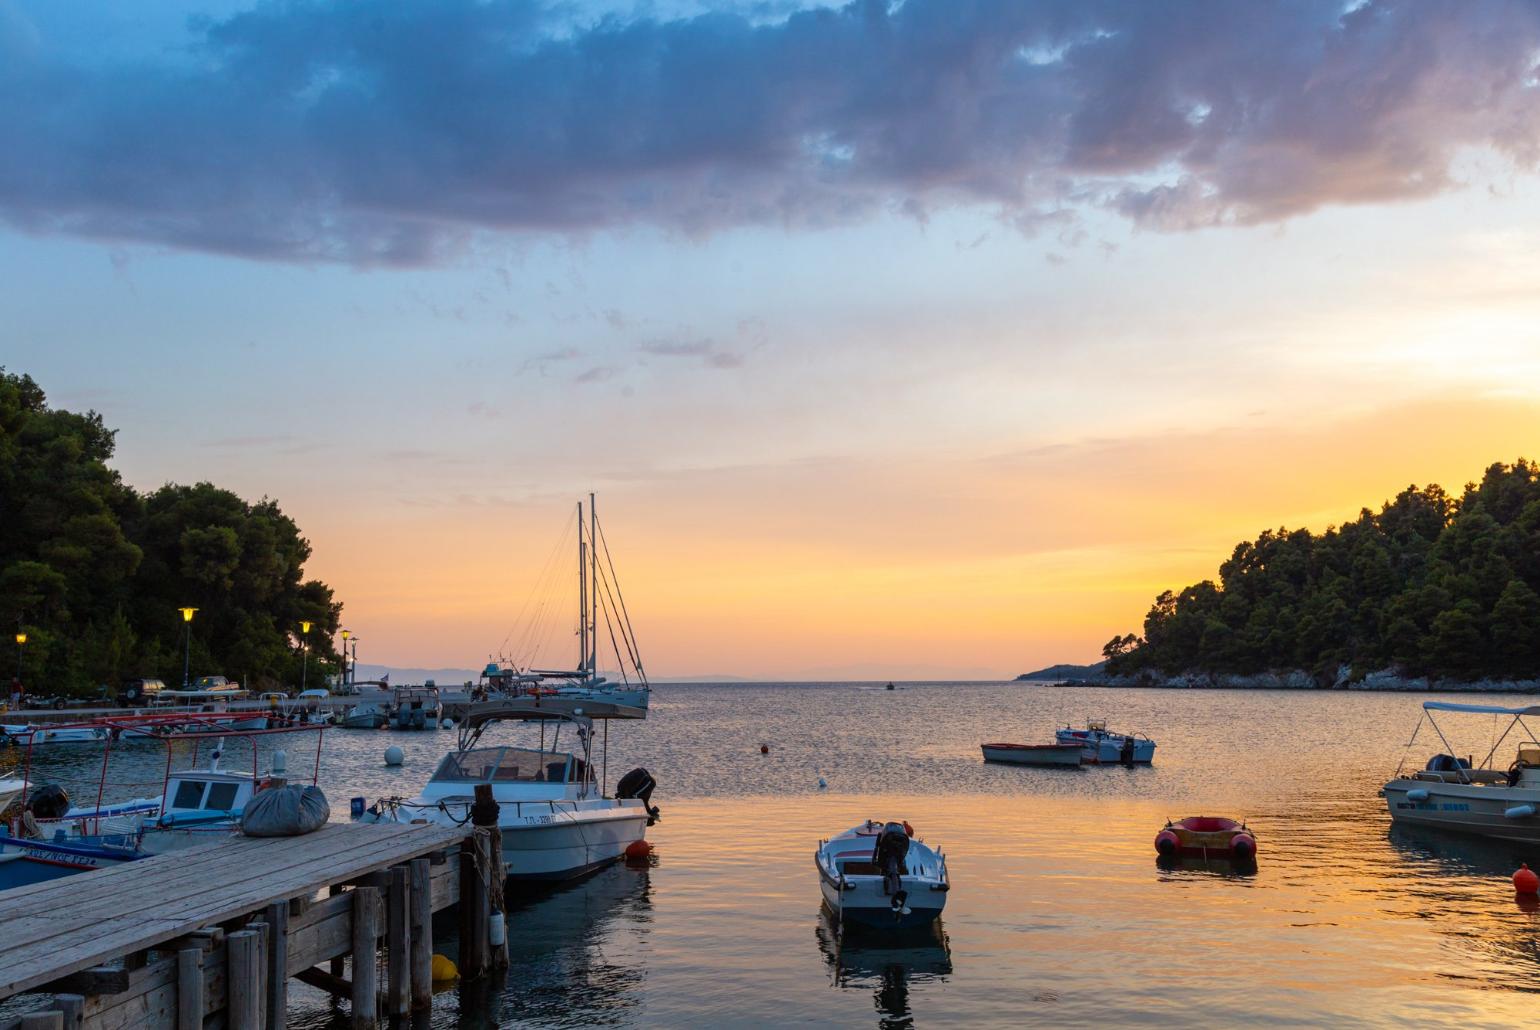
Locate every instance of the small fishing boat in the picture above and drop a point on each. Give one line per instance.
(366, 715)
(1101, 746)
(1207, 837)
(45, 837)
(1033, 754)
(880, 876)
(29, 735)
(1470, 796)
(555, 818)
(416, 708)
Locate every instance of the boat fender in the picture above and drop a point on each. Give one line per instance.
(1243, 847)
(1525, 881)
(1167, 843)
(497, 930)
(1417, 794)
(444, 969)
(638, 851)
(1519, 811)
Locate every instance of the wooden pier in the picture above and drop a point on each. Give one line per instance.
(210, 936)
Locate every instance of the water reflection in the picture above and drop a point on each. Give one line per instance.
(570, 952)
(888, 963)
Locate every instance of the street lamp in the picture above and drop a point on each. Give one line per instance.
(21, 643)
(187, 614)
(345, 635)
(304, 647)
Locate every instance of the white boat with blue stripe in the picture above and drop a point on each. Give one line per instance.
(879, 876)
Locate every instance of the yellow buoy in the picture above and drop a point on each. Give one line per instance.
(444, 969)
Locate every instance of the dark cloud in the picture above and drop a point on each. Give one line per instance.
(374, 131)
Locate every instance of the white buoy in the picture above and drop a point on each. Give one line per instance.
(447, 724)
(394, 755)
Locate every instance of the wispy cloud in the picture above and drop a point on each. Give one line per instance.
(381, 132)
(703, 350)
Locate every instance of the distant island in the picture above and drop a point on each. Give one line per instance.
(1430, 592)
(1065, 673)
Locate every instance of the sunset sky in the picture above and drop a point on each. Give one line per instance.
(897, 340)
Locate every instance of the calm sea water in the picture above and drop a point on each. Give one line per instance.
(1058, 914)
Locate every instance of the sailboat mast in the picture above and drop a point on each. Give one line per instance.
(593, 586)
(582, 594)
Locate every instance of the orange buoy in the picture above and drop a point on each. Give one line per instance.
(1525, 881)
(638, 851)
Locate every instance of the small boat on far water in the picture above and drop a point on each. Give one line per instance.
(1101, 746)
(880, 876)
(1034, 754)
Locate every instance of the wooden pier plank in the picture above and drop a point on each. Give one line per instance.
(63, 928)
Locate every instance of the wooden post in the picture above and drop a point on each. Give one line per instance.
(242, 984)
(335, 965)
(189, 989)
(473, 906)
(42, 1021)
(278, 965)
(72, 1007)
(366, 942)
(495, 902)
(264, 941)
(422, 934)
(398, 936)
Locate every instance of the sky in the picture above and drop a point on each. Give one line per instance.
(925, 339)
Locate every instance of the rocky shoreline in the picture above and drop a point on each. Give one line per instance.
(1298, 679)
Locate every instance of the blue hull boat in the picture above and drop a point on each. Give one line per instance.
(36, 861)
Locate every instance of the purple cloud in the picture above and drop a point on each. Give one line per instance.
(374, 131)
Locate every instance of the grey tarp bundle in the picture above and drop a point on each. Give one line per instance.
(285, 812)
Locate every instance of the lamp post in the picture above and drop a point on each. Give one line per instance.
(304, 648)
(187, 614)
(21, 644)
(345, 635)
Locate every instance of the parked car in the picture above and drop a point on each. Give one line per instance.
(138, 693)
(211, 683)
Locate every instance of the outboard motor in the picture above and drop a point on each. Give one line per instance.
(1446, 763)
(888, 857)
(50, 801)
(639, 784)
(1126, 755)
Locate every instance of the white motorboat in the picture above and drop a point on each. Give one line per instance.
(1101, 746)
(556, 821)
(25, 734)
(880, 876)
(1469, 797)
(1034, 754)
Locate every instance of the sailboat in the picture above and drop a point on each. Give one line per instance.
(598, 594)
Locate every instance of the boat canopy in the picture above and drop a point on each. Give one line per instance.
(1450, 706)
(548, 708)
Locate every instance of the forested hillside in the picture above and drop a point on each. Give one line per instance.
(1430, 585)
(94, 572)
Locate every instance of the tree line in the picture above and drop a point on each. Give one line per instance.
(1429, 585)
(94, 572)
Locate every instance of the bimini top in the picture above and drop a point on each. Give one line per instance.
(1450, 706)
(548, 708)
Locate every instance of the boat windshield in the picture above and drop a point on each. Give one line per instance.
(502, 765)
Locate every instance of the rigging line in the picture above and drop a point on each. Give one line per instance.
(610, 611)
(625, 616)
(540, 581)
(538, 629)
(610, 626)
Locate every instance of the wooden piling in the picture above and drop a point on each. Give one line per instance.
(243, 995)
(190, 1001)
(496, 905)
(277, 918)
(473, 905)
(335, 965)
(366, 940)
(422, 934)
(43, 1021)
(71, 1009)
(398, 934)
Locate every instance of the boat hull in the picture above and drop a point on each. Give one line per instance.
(1034, 754)
(1465, 808)
(560, 845)
(31, 861)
